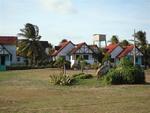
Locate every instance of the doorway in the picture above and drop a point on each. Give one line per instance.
(2, 60)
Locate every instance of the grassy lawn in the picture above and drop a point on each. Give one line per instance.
(30, 92)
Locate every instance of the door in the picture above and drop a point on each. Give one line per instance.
(2, 60)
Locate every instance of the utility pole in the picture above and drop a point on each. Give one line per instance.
(134, 53)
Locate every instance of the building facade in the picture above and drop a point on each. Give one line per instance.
(7, 50)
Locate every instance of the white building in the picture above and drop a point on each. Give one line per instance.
(114, 50)
(7, 50)
(117, 52)
(71, 52)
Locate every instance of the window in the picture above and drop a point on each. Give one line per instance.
(86, 57)
(10, 57)
(18, 59)
(136, 59)
(77, 56)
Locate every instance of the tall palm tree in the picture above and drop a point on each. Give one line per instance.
(30, 46)
(142, 44)
(141, 37)
(114, 39)
(124, 43)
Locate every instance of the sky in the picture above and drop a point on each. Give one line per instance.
(76, 20)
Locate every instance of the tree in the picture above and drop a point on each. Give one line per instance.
(82, 63)
(63, 41)
(148, 55)
(124, 43)
(30, 46)
(61, 63)
(114, 39)
(142, 44)
(141, 37)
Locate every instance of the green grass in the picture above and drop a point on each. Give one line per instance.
(30, 92)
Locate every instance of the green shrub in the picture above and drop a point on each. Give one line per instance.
(86, 76)
(82, 76)
(77, 75)
(124, 75)
(61, 79)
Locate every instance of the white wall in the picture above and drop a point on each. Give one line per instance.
(12, 50)
(65, 51)
(90, 60)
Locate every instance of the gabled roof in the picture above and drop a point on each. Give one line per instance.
(94, 47)
(8, 40)
(61, 47)
(126, 51)
(111, 47)
(78, 46)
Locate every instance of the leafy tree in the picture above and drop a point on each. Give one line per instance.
(114, 39)
(124, 43)
(141, 37)
(148, 55)
(63, 41)
(61, 63)
(30, 46)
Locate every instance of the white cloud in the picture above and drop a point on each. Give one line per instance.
(59, 6)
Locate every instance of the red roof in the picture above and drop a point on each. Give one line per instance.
(61, 46)
(78, 46)
(8, 40)
(126, 51)
(111, 47)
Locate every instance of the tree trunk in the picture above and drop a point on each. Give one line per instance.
(64, 69)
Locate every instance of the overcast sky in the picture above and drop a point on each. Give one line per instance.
(76, 20)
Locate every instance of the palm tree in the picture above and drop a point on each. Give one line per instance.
(30, 46)
(124, 43)
(61, 62)
(142, 44)
(114, 39)
(81, 62)
(141, 37)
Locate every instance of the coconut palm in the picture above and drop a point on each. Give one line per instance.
(30, 46)
(142, 44)
(124, 43)
(114, 39)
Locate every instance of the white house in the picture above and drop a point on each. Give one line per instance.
(114, 50)
(128, 52)
(63, 50)
(7, 50)
(117, 52)
(82, 50)
(71, 52)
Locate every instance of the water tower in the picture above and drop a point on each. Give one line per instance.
(98, 39)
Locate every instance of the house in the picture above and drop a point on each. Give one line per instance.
(117, 52)
(128, 52)
(71, 52)
(7, 50)
(114, 50)
(63, 50)
(84, 51)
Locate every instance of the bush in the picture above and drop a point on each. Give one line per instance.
(61, 79)
(82, 76)
(124, 73)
